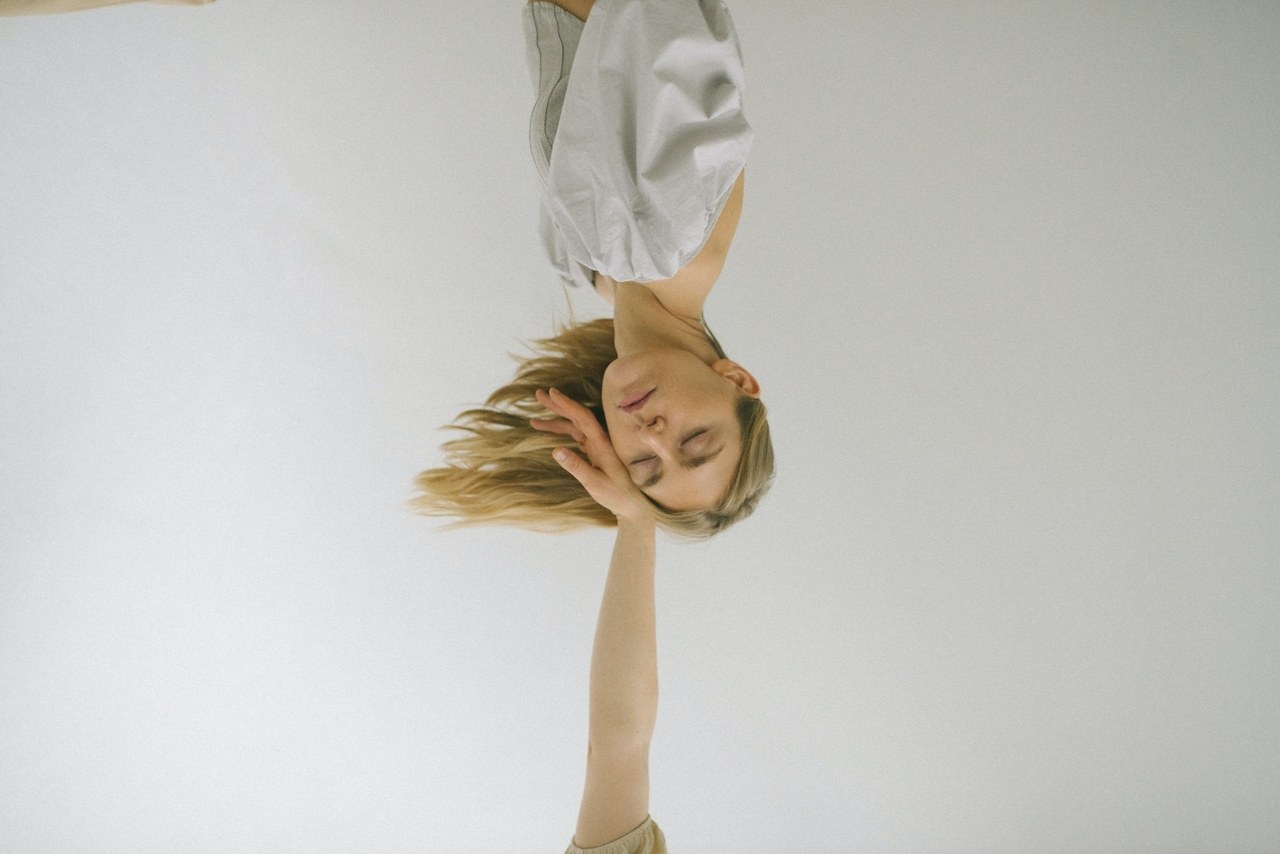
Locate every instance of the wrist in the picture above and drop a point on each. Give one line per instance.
(640, 522)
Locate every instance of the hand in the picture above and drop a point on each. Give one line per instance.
(605, 477)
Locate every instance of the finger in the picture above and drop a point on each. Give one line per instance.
(555, 404)
(580, 415)
(572, 411)
(563, 428)
(592, 436)
(599, 485)
(558, 402)
(586, 474)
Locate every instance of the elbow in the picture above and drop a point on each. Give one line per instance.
(625, 726)
(619, 741)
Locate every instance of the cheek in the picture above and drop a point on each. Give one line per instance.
(619, 444)
(624, 449)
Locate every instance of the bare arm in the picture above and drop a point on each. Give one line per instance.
(624, 659)
(46, 7)
(624, 692)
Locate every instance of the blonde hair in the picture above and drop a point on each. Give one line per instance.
(502, 473)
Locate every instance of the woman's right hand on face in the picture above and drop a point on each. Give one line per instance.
(603, 474)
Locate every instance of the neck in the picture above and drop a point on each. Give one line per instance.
(641, 321)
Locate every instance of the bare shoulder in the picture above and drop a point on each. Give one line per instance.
(686, 292)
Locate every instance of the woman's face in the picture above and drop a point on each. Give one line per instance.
(682, 443)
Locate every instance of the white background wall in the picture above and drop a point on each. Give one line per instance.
(1007, 273)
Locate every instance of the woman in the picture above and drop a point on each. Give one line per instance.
(639, 140)
(687, 445)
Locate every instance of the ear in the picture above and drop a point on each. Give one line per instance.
(737, 375)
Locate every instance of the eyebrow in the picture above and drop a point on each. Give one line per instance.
(692, 464)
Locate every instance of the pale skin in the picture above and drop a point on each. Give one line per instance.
(624, 657)
(658, 334)
(47, 7)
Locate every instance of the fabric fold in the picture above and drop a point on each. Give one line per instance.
(645, 839)
(650, 137)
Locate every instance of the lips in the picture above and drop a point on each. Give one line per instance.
(635, 401)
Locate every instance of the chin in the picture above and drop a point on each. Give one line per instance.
(616, 378)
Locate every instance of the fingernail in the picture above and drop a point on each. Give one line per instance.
(561, 454)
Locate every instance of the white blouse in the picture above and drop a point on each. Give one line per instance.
(638, 132)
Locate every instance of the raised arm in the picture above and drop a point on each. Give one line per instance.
(624, 693)
(624, 659)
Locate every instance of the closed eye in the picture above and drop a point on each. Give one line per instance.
(686, 440)
(691, 464)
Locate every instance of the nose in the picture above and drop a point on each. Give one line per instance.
(653, 432)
